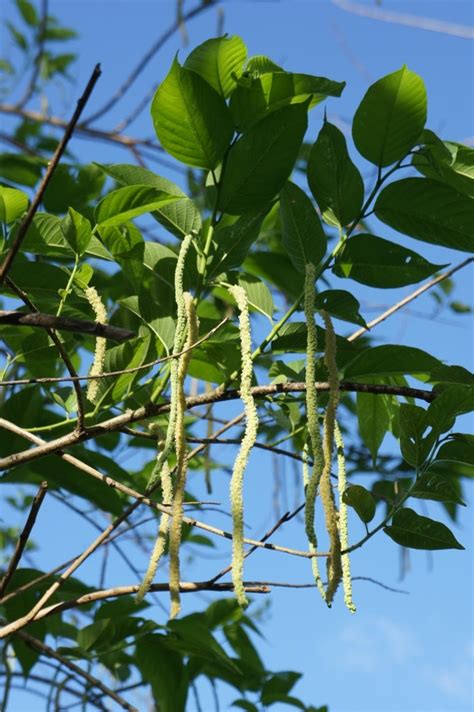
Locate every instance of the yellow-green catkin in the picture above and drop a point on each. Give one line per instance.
(343, 529)
(97, 367)
(312, 480)
(334, 566)
(312, 548)
(248, 441)
(181, 457)
(163, 455)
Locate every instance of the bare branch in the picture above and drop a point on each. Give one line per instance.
(109, 374)
(94, 681)
(399, 18)
(218, 396)
(133, 76)
(406, 300)
(60, 323)
(39, 56)
(24, 536)
(22, 230)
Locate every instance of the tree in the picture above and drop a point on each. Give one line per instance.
(162, 331)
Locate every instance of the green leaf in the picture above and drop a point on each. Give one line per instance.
(272, 91)
(88, 637)
(334, 180)
(416, 532)
(45, 237)
(374, 415)
(218, 60)
(260, 64)
(417, 437)
(432, 486)
(377, 262)
(164, 669)
(448, 162)
(28, 12)
(180, 217)
(13, 203)
(454, 401)
(389, 359)
(459, 449)
(77, 231)
(24, 170)
(245, 705)
(191, 120)
(302, 232)
(390, 117)
(429, 211)
(340, 304)
(258, 294)
(129, 202)
(261, 161)
(361, 500)
(233, 241)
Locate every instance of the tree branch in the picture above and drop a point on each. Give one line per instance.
(39, 55)
(22, 230)
(60, 323)
(24, 536)
(406, 300)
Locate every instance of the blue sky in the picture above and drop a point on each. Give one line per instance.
(410, 653)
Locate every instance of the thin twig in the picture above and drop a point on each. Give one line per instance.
(218, 396)
(61, 323)
(39, 56)
(22, 230)
(399, 18)
(81, 410)
(78, 671)
(109, 374)
(24, 536)
(125, 86)
(406, 300)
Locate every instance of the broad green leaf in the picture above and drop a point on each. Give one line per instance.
(460, 449)
(447, 162)
(416, 532)
(374, 414)
(377, 262)
(334, 180)
(165, 671)
(180, 217)
(218, 61)
(24, 170)
(452, 374)
(191, 120)
(390, 360)
(88, 637)
(245, 705)
(28, 12)
(13, 203)
(129, 202)
(293, 336)
(390, 117)
(302, 233)
(258, 294)
(280, 683)
(340, 304)
(261, 161)
(45, 237)
(277, 269)
(233, 241)
(259, 64)
(361, 500)
(272, 91)
(433, 487)
(77, 231)
(454, 401)
(417, 437)
(429, 211)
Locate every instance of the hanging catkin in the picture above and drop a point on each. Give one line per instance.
(181, 458)
(312, 547)
(334, 567)
(250, 436)
(341, 481)
(100, 343)
(312, 480)
(163, 455)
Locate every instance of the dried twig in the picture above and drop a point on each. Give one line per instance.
(406, 300)
(24, 536)
(61, 323)
(22, 230)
